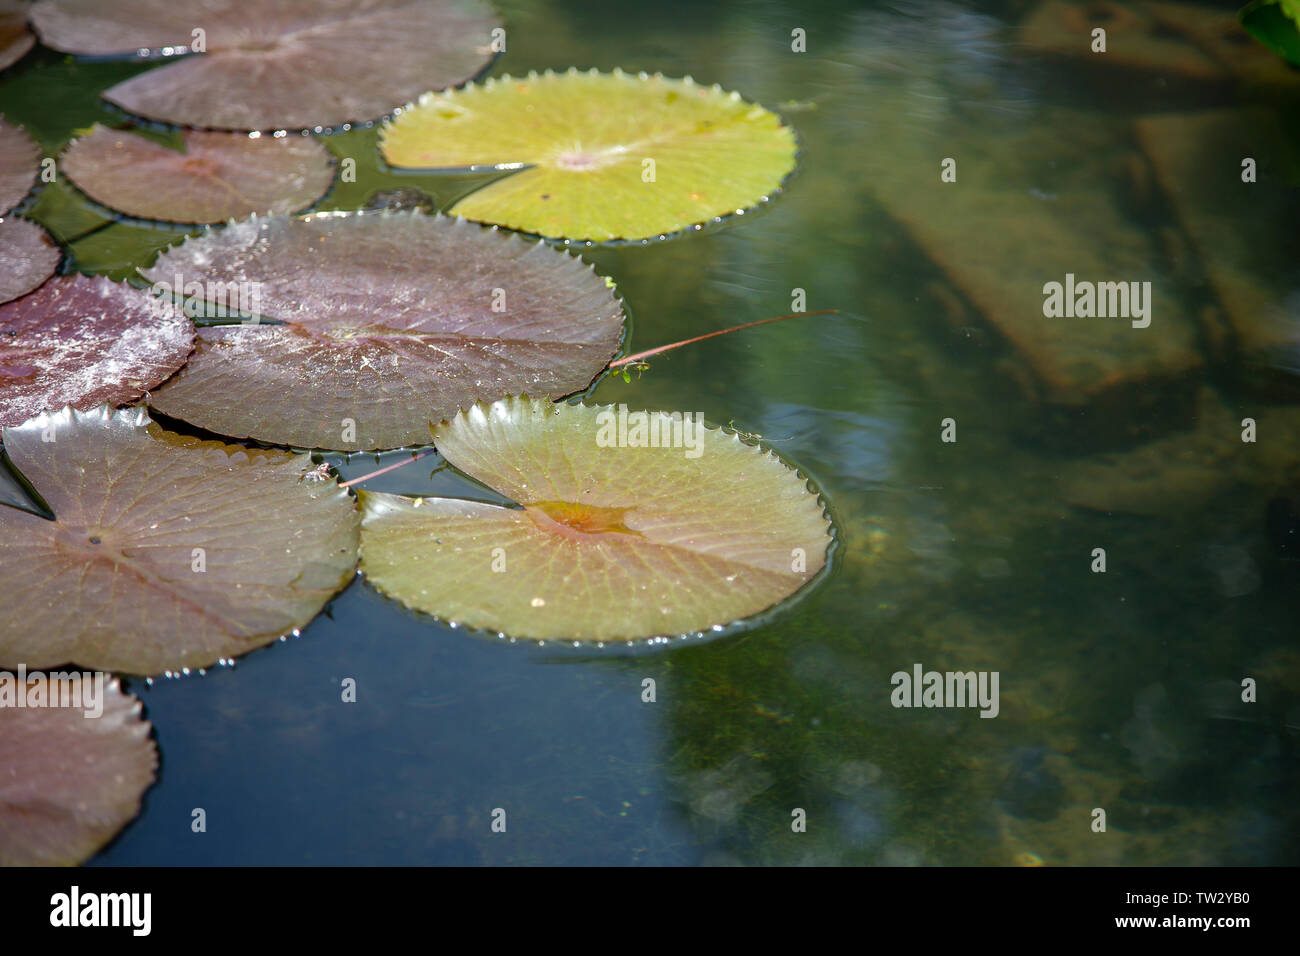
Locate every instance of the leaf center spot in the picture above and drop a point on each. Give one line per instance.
(199, 164)
(580, 518)
(578, 161)
(259, 46)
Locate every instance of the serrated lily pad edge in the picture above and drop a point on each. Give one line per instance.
(707, 226)
(142, 418)
(458, 222)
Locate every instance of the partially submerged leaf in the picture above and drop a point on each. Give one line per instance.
(293, 64)
(606, 156)
(19, 163)
(28, 256)
(15, 38)
(167, 553)
(1276, 24)
(219, 176)
(81, 341)
(613, 542)
(390, 321)
(68, 782)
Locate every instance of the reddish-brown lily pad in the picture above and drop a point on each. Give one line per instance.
(81, 341)
(166, 552)
(28, 256)
(390, 321)
(293, 64)
(218, 176)
(71, 776)
(19, 164)
(633, 525)
(15, 38)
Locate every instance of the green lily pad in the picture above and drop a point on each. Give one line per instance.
(166, 552)
(290, 64)
(1276, 24)
(602, 156)
(81, 341)
(28, 256)
(612, 542)
(68, 782)
(218, 176)
(389, 321)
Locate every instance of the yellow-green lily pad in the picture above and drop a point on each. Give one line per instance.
(600, 156)
(615, 539)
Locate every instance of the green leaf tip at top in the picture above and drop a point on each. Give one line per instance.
(1276, 24)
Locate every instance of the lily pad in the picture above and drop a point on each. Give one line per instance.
(390, 321)
(81, 341)
(218, 176)
(15, 38)
(293, 64)
(603, 156)
(613, 542)
(28, 256)
(69, 782)
(19, 163)
(166, 552)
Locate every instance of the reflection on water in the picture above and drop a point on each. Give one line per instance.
(1120, 690)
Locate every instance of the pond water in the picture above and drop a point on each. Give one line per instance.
(1119, 690)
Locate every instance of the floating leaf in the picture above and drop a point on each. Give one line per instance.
(68, 782)
(218, 176)
(167, 552)
(608, 156)
(1276, 24)
(28, 256)
(391, 321)
(15, 38)
(293, 64)
(19, 163)
(612, 543)
(81, 341)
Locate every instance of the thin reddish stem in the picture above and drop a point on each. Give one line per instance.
(700, 338)
(623, 361)
(387, 468)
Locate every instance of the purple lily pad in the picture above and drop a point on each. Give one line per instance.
(391, 321)
(219, 176)
(69, 780)
(167, 552)
(19, 163)
(81, 341)
(15, 38)
(28, 256)
(294, 64)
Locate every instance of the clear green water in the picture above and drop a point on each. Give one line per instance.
(1118, 690)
